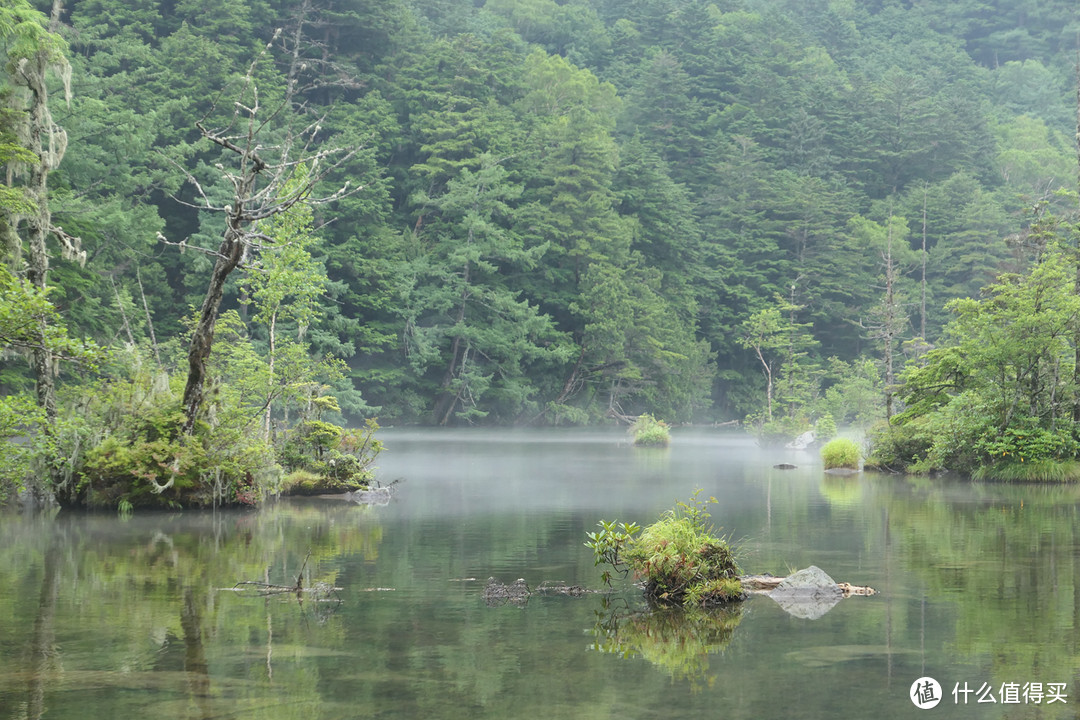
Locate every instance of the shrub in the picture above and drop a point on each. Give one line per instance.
(896, 448)
(342, 459)
(841, 453)
(650, 432)
(305, 482)
(680, 559)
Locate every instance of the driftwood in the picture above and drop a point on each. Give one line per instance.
(518, 592)
(765, 584)
(316, 592)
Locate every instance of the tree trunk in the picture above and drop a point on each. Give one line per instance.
(922, 283)
(444, 408)
(1076, 285)
(270, 382)
(37, 230)
(229, 255)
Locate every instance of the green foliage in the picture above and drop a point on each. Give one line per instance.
(329, 458)
(825, 428)
(21, 423)
(998, 397)
(679, 558)
(782, 347)
(568, 209)
(647, 431)
(854, 394)
(841, 453)
(609, 544)
(305, 482)
(899, 447)
(135, 450)
(771, 433)
(1038, 471)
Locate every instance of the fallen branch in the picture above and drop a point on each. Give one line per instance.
(318, 592)
(518, 592)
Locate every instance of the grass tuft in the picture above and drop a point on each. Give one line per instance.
(1058, 471)
(841, 453)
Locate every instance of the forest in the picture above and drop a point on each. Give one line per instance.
(235, 230)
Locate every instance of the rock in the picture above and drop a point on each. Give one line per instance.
(374, 496)
(808, 593)
(803, 441)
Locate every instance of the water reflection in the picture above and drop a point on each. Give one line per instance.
(101, 618)
(674, 639)
(141, 611)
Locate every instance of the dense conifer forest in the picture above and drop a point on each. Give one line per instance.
(525, 212)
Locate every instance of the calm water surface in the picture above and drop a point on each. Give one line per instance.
(102, 617)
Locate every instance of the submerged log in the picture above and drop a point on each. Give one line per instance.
(518, 592)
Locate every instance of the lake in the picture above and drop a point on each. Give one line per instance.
(979, 588)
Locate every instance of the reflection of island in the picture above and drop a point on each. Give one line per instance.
(675, 639)
(680, 640)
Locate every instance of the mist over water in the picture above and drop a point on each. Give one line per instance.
(102, 617)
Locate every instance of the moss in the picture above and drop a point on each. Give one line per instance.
(305, 482)
(841, 453)
(714, 592)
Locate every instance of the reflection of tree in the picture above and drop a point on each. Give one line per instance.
(673, 638)
(123, 614)
(43, 660)
(195, 663)
(1008, 563)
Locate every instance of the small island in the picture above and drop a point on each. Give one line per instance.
(681, 561)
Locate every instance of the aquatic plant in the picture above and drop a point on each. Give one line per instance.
(841, 453)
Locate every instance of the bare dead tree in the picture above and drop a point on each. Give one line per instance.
(267, 147)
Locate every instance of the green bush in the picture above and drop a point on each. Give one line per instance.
(841, 453)
(679, 558)
(650, 432)
(896, 448)
(305, 482)
(342, 459)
